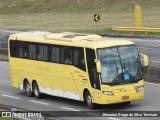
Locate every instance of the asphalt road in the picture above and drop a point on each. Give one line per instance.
(15, 97)
(148, 46)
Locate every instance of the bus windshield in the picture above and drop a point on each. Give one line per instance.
(120, 65)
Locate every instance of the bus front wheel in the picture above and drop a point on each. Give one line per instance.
(88, 100)
(27, 88)
(36, 91)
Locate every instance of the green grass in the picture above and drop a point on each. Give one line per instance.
(76, 15)
(7, 118)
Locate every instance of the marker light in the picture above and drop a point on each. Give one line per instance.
(110, 93)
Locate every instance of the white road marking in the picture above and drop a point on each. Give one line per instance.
(145, 48)
(152, 83)
(152, 61)
(3, 62)
(93, 114)
(111, 118)
(70, 109)
(11, 96)
(151, 46)
(24, 118)
(39, 102)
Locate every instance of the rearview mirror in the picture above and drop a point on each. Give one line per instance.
(144, 60)
(98, 65)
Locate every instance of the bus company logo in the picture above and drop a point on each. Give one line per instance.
(6, 114)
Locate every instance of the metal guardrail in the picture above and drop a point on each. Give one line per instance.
(3, 54)
(136, 29)
(152, 74)
(4, 51)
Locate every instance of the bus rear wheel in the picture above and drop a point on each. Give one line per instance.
(36, 91)
(27, 89)
(88, 100)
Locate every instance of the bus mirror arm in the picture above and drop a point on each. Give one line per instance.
(144, 60)
(98, 65)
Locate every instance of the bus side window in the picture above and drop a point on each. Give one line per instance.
(13, 48)
(32, 51)
(22, 50)
(78, 58)
(45, 51)
(42, 53)
(93, 75)
(25, 51)
(66, 55)
(55, 54)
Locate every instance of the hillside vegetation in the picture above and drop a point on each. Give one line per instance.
(75, 15)
(40, 6)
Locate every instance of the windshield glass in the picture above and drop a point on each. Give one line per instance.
(120, 65)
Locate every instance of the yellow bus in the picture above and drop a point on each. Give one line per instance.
(76, 66)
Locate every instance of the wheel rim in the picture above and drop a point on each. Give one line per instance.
(36, 91)
(89, 100)
(28, 88)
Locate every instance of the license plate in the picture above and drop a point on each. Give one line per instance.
(125, 97)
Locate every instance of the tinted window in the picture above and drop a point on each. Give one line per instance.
(13, 49)
(93, 75)
(42, 53)
(55, 54)
(22, 49)
(32, 51)
(66, 55)
(51, 53)
(78, 58)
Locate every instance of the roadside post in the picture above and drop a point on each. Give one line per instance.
(97, 19)
(138, 15)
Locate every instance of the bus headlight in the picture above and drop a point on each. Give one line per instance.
(139, 88)
(110, 93)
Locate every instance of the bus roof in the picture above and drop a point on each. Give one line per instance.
(69, 38)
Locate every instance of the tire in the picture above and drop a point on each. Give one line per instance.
(127, 103)
(36, 91)
(88, 101)
(27, 89)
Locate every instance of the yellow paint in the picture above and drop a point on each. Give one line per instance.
(138, 22)
(136, 29)
(138, 16)
(97, 17)
(67, 77)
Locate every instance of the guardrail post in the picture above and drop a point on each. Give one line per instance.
(138, 16)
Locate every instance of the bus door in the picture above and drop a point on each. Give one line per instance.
(93, 75)
(79, 73)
